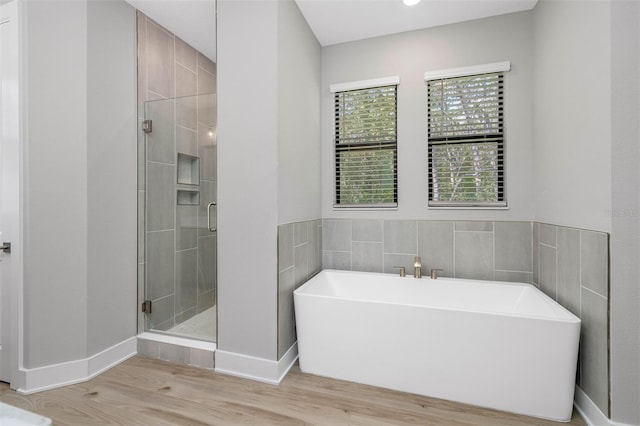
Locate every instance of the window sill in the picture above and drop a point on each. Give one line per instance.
(466, 208)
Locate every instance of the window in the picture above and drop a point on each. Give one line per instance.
(365, 137)
(465, 121)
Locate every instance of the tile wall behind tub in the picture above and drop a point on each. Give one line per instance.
(462, 249)
(180, 263)
(299, 258)
(572, 267)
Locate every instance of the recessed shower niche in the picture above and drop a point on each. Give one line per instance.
(188, 169)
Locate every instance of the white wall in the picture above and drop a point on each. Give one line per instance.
(298, 117)
(409, 55)
(248, 177)
(572, 123)
(625, 212)
(111, 174)
(80, 169)
(55, 245)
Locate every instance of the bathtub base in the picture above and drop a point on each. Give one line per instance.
(519, 365)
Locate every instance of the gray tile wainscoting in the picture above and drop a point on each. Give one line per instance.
(573, 268)
(299, 258)
(462, 249)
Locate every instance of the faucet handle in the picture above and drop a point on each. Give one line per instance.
(402, 270)
(418, 262)
(434, 273)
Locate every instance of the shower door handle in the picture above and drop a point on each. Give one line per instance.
(211, 204)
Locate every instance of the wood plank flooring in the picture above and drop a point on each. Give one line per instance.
(149, 392)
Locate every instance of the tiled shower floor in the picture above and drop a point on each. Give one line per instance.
(201, 326)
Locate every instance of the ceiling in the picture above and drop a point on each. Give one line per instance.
(332, 21)
(339, 21)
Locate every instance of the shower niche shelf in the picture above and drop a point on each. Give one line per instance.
(188, 169)
(187, 197)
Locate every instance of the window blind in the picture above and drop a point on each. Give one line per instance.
(366, 147)
(466, 140)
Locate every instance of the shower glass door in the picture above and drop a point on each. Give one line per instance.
(180, 216)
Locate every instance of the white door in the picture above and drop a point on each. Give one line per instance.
(9, 176)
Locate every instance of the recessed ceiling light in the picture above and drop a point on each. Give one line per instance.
(410, 2)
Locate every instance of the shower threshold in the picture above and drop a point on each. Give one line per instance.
(179, 350)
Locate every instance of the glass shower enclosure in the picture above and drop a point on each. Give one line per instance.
(180, 216)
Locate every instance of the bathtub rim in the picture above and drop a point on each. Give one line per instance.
(571, 318)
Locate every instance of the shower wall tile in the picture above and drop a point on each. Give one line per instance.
(141, 22)
(148, 348)
(285, 246)
(366, 256)
(300, 233)
(186, 55)
(206, 82)
(186, 281)
(162, 314)
(400, 236)
(595, 261)
(476, 226)
(208, 193)
(141, 231)
(186, 81)
(187, 141)
(514, 276)
(207, 105)
(474, 255)
(206, 264)
(336, 234)
(186, 227)
(160, 197)
(568, 268)
(174, 353)
(536, 241)
(208, 152)
(187, 112)
(206, 63)
(161, 144)
(340, 260)
(366, 230)
(160, 60)
(547, 263)
(393, 260)
(286, 317)
(299, 258)
(547, 234)
(201, 358)
(594, 349)
(435, 246)
(513, 246)
(301, 263)
(206, 300)
(315, 246)
(160, 269)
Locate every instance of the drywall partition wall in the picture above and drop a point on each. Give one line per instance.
(298, 117)
(55, 238)
(248, 179)
(111, 174)
(572, 120)
(409, 55)
(625, 212)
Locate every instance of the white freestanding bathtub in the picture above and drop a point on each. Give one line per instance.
(499, 345)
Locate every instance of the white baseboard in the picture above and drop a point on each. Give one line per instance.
(588, 410)
(259, 369)
(68, 373)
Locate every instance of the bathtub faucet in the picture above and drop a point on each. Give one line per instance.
(417, 268)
